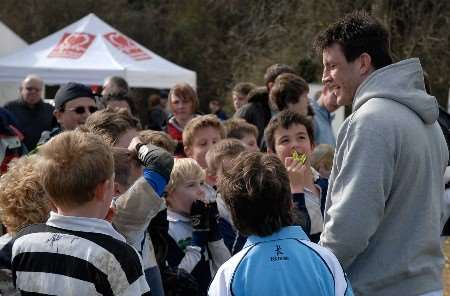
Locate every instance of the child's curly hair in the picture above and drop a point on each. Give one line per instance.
(23, 200)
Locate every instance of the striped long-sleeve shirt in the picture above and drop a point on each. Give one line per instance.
(76, 256)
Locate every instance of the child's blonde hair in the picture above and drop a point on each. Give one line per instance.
(23, 200)
(198, 123)
(184, 169)
(72, 164)
(224, 148)
(157, 138)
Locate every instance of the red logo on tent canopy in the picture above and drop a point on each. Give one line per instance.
(72, 45)
(127, 46)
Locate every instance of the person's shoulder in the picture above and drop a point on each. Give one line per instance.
(230, 266)
(47, 106)
(245, 111)
(13, 104)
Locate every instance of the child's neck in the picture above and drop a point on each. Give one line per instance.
(183, 121)
(87, 210)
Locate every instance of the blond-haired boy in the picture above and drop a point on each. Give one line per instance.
(198, 248)
(77, 252)
(200, 134)
(23, 202)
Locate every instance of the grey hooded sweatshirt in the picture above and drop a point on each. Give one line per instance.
(383, 209)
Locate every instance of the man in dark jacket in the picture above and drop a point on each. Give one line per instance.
(33, 115)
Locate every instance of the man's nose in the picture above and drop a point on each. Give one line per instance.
(326, 78)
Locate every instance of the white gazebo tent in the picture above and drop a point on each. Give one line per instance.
(10, 43)
(88, 51)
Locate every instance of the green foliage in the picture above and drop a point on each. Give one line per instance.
(228, 41)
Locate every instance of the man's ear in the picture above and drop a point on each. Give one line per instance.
(57, 115)
(366, 63)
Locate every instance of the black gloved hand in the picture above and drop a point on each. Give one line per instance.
(214, 234)
(301, 215)
(158, 230)
(155, 159)
(200, 223)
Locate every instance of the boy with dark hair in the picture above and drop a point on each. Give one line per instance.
(290, 133)
(77, 251)
(290, 92)
(119, 126)
(240, 94)
(373, 201)
(277, 257)
(257, 110)
(273, 71)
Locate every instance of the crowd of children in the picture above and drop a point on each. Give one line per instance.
(112, 209)
(207, 206)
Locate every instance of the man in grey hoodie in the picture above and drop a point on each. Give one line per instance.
(383, 209)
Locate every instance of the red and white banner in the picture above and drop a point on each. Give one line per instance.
(127, 46)
(72, 45)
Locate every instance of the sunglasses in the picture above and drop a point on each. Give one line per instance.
(82, 109)
(30, 88)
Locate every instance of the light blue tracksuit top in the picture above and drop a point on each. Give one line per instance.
(284, 263)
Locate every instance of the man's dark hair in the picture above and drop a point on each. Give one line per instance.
(357, 33)
(119, 97)
(273, 71)
(285, 119)
(287, 89)
(257, 192)
(120, 83)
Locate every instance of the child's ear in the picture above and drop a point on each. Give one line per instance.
(117, 190)
(188, 151)
(270, 151)
(102, 188)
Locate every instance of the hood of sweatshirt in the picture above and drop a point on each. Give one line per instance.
(401, 82)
